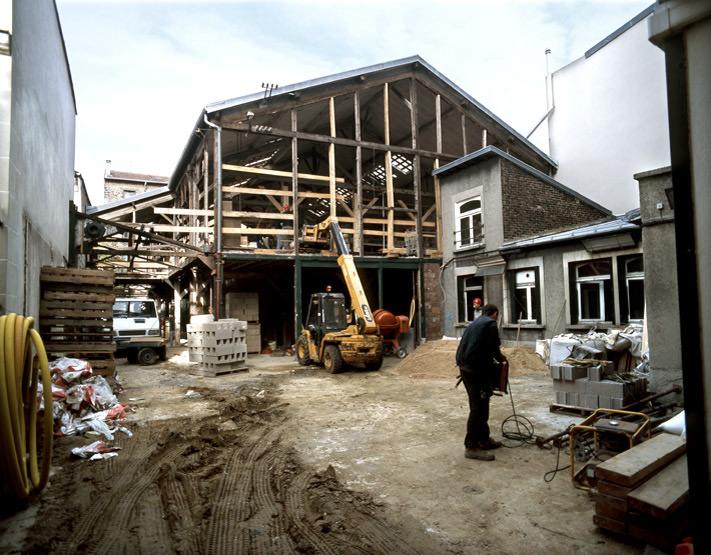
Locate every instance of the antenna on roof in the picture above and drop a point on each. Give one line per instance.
(268, 89)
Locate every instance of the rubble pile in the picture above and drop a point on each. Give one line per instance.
(597, 370)
(83, 402)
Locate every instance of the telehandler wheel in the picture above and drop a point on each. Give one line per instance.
(332, 360)
(302, 351)
(372, 366)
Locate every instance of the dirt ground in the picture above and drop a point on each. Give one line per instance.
(286, 459)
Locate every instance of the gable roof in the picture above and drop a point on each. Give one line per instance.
(415, 61)
(492, 152)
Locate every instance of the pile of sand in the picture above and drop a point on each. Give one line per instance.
(435, 359)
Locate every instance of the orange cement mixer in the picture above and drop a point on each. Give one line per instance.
(390, 327)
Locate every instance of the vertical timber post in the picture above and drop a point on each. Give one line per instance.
(332, 156)
(358, 208)
(438, 195)
(464, 135)
(296, 224)
(388, 170)
(416, 175)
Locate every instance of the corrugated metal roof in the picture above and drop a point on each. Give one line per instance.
(614, 226)
(128, 201)
(329, 79)
(491, 151)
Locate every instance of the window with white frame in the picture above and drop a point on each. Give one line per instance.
(469, 231)
(525, 296)
(634, 288)
(470, 288)
(593, 291)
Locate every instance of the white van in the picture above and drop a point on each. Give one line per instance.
(135, 317)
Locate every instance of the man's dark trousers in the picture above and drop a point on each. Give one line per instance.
(477, 423)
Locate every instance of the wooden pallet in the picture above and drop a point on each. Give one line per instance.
(212, 373)
(76, 315)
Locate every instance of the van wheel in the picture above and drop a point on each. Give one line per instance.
(332, 360)
(302, 351)
(147, 356)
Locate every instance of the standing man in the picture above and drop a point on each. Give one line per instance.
(476, 308)
(478, 352)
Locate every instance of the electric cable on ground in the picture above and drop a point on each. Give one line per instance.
(524, 435)
(23, 360)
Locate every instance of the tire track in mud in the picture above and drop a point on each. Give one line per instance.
(116, 506)
(175, 494)
(296, 508)
(227, 531)
(119, 519)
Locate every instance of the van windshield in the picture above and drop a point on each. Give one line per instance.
(134, 309)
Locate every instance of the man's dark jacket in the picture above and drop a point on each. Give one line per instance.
(478, 348)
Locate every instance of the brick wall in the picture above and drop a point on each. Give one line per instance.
(532, 206)
(433, 307)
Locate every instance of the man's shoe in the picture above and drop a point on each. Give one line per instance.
(478, 454)
(489, 444)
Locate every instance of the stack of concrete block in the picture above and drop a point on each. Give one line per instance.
(220, 347)
(589, 387)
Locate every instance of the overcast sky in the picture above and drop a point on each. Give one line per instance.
(142, 70)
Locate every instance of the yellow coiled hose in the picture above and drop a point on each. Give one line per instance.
(22, 360)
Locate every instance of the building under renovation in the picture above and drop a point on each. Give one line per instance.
(360, 146)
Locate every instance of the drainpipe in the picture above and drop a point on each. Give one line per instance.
(219, 267)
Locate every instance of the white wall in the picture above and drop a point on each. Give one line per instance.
(610, 119)
(37, 170)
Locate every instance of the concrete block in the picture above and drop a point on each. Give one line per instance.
(572, 398)
(560, 385)
(572, 373)
(581, 385)
(608, 388)
(595, 373)
(616, 402)
(604, 402)
(556, 372)
(560, 398)
(589, 401)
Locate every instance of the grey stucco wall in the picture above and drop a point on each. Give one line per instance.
(483, 178)
(40, 165)
(660, 279)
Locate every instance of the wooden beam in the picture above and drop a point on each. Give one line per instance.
(295, 182)
(427, 214)
(383, 221)
(464, 135)
(317, 138)
(358, 224)
(368, 206)
(165, 228)
(182, 211)
(437, 191)
(257, 215)
(416, 178)
(267, 192)
(256, 231)
(332, 157)
(483, 137)
(409, 214)
(345, 206)
(390, 195)
(305, 177)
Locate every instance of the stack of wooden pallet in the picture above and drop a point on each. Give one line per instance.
(642, 492)
(76, 316)
(220, 347)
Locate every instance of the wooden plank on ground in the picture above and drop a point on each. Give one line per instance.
(635, 465)
(71, 305)
(611, 507)
(611, 489)
(75, 322)
(616, 526)
(101, 277)
(89, 314)
(106, 347)
(79, 296)
(663, 494)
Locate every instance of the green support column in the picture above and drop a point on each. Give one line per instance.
(297, 297)
(380, 287)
